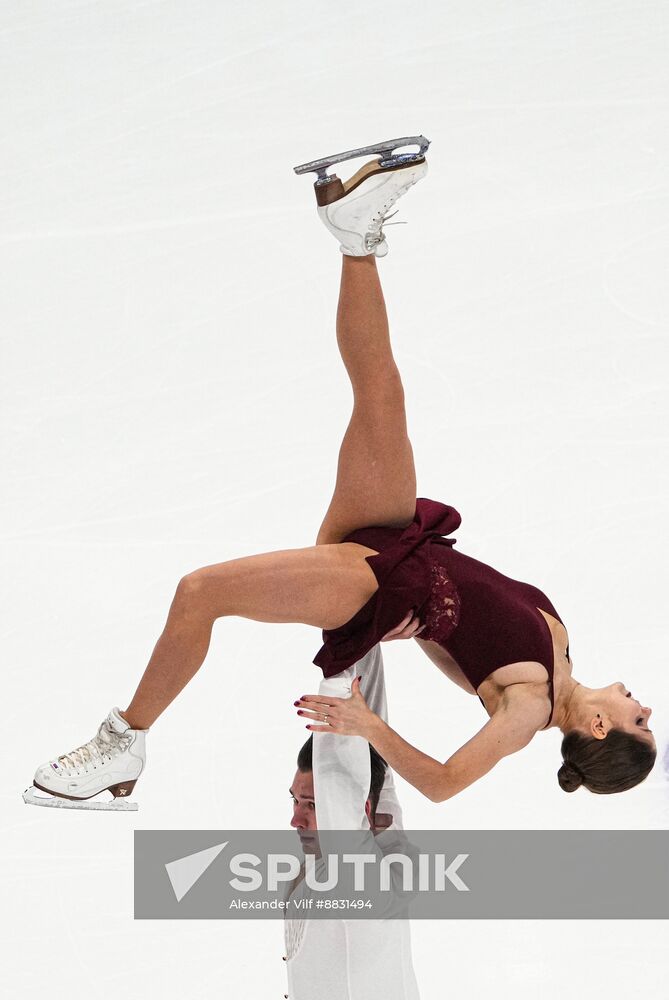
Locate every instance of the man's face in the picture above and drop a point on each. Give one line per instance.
(304, 804)
(304, 807)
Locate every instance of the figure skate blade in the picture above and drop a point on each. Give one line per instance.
(386, 149)
(32, 798)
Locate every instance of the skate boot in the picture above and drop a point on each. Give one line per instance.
(112, 761)
(355, 210)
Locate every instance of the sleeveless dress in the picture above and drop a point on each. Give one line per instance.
(483, 618)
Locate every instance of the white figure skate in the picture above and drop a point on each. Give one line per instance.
(354, 210)
(112, 761)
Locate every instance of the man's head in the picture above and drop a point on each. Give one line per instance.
(302, 791)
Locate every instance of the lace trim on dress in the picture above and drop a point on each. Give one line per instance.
(293, 933)
(294, 928)
(442, 611)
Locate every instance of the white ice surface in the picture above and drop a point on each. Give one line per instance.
(172, 397)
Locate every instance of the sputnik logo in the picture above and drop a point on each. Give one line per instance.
(185, 872)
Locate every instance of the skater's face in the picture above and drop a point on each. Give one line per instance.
(304, 807)
(623, 711)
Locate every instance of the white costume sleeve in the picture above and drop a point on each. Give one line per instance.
(374, 956)
(341, 764)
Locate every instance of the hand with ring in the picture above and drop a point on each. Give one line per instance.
(344, 716)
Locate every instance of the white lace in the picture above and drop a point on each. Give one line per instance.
(374, 238)
(293, 929)
(105, 745)
(293, 933)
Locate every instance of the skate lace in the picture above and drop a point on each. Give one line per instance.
(104, 745)
(374, 238)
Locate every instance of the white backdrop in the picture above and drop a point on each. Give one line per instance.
(173, 397)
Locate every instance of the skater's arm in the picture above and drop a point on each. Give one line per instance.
(373, 688)
(341, 766)
(341, 763)
(501, 736)
(510, 729)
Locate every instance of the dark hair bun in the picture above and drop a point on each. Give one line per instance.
(569, 777)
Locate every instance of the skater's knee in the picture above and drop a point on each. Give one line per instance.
(202, 596)
(191, 592)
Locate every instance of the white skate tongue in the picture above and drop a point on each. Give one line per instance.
(116, 722)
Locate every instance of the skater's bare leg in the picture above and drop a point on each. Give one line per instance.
(324, 585)
(376, 478)
(320, 585)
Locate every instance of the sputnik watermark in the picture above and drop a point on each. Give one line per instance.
(465, 874)
(432, 875)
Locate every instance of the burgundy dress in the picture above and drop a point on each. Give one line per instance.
(483, 618)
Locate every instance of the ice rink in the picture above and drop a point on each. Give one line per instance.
(173, 397)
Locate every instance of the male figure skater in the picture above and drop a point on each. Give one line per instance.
(342, 784)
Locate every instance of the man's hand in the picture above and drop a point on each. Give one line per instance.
(408, 628)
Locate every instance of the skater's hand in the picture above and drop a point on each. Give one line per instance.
(408, 628)
(345, 716)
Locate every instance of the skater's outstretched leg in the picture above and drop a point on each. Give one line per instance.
(376, 478)
(322, 586)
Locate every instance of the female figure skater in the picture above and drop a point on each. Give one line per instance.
(381, 568)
